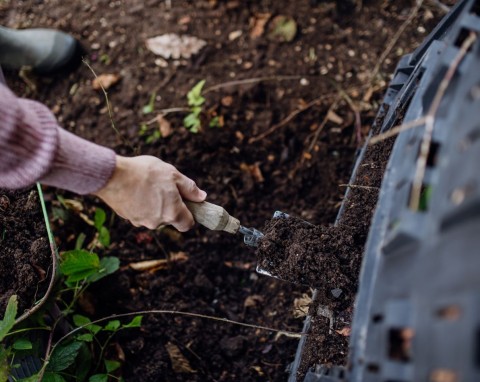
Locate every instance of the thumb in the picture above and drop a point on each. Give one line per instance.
(189, 190)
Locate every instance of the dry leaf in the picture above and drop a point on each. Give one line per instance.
(334, 117)
(238, 264)
(148, 264)
(184, 20)
(155, 265)
(105, 81)
(252, 300)
(234, 35)
(239, 135)
(282, 28)
(307, 155)
(344, 331)
(258, 24)
(164, 126)
(301, 305)
(171, 45)
(253, 170)
(179, 363)
(77, 207)
(258, 369)
(72, 204)
(227, 101)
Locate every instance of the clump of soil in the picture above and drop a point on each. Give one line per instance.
(300, 252)
(25, 255)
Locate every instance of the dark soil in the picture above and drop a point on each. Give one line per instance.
(361, 201)
(299, 252)
(297, 168)
(25, 254)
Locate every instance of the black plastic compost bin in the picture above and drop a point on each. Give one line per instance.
(417, 312)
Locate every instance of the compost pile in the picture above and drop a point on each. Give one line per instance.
(285, 139)
(25, 255)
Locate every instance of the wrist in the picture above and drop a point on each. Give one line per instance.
(118, 177)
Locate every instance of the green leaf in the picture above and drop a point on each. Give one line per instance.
(87, 337)
(98, 378)
(94, 328)
(4, 364)
(282, 28)
(112, 326)
(63, 356)
(143, 129)
(83, 321)
(104, 236)
(33, 378)
(80, 320)
(135, 323)
(100, 218)
(196, 110)
(192, 122)
(214, 122)
(22, 344)
(83, 364)
(147, 109)
(53, 377)
(111, 365)
(108, 265)
(80, 240)
(79, 264)
(194, 96)
(9, 318)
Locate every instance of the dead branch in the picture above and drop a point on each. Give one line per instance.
(356, 112)
(430, 121)
(444, 8)
(356, 186)
(250, 81)
(396, 130)
(286, 120)
(391, 44)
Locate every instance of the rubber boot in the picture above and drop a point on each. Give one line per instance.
(46, 51)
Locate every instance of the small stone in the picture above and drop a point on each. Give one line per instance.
(336, 292)
(304, 82)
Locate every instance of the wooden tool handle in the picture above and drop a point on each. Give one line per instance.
(213, 217)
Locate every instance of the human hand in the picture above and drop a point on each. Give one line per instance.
(148, 192)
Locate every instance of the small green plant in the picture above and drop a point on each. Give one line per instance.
(150, 106)
(99, 222)
(105, 59)
(151, 135)
(6, 325)
(80, 354)
(195, 101)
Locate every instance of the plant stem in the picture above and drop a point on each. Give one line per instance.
(249, 81)
(109, 108)
(157, 311)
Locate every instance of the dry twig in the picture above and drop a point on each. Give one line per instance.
(109, 108)
(391, 44)
(356, 186)
(430, 121)
(250, 81)
(285, 121)
(396, 130)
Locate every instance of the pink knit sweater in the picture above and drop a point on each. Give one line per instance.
(34, 148)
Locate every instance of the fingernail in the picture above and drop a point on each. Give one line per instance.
(203, 194)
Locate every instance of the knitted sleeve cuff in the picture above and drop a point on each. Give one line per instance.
(79, 165)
